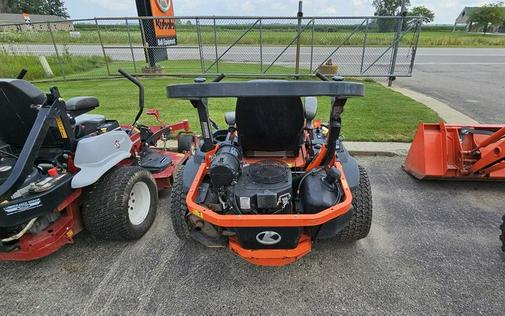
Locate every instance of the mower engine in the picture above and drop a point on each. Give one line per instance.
(264, 187)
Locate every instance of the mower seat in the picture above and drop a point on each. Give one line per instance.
(87, 123)
(270, 126)
(80, 105)
(18, 115)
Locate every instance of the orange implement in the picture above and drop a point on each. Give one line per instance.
(449, 151)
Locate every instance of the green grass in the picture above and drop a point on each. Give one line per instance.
(382, 115)
(270, 37)
(11, 65)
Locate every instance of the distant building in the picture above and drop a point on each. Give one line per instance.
(10, 22)
(464, 18)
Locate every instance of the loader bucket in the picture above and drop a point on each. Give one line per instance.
(450, 151)
(428, 153)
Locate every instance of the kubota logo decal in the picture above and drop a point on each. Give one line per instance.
(164, 5)
(268, 237)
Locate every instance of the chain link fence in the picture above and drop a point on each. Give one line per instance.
(238, 46)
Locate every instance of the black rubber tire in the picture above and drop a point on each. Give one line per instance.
(105, 207)
(185, 142)
(361, 218)
(178, 208)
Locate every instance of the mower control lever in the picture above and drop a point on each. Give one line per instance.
(21, 74)
(321, 76)
(141, 92)
(218, 78)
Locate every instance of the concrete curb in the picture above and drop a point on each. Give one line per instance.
(384, 149)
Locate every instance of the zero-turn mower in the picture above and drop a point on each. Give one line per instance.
(458, 152)
(274, 181)
(63, 169)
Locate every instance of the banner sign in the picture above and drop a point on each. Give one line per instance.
(164, 28)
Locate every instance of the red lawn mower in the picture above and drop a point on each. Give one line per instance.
(63, 169)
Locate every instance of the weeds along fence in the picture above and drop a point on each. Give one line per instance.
(238, 46)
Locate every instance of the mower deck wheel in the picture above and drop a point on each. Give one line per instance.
(177, 207)
(361, 218)
(185, 143)
(121, 205)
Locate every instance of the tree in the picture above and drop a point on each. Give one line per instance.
(55, 7)
(44, 7)
(424, 12)
(8, 6)
(389, 7)
(487, 15)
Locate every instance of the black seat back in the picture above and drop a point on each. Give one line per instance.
(17, 98)
(270, 126)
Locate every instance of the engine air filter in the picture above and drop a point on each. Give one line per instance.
(269, 171)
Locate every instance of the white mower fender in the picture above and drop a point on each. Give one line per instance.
(98, 154)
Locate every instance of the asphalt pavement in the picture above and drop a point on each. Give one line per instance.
(471, 80)
(433, 249)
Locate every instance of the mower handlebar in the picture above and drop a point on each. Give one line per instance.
(141, 92)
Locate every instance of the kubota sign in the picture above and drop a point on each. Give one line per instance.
(164, 28)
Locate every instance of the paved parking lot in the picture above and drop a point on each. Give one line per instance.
(433, 249)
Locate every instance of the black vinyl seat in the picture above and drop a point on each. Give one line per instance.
(79, 105)
(18, 114)
(270, 126)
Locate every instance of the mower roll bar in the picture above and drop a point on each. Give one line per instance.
(337, 89)
(265, 89)
(141, 92)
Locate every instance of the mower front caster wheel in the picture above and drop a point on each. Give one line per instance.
(121, 205)
(361, 218)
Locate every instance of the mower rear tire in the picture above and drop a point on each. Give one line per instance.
(361, 218)
(121, 205)
(185, 143)
(178, 208)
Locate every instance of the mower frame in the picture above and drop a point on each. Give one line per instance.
(197, 166)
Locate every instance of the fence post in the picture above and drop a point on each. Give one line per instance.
(200, 48)
(261, 45)
(364, 47)
(215, 46)
(312, 46)
(60, 63)
(103, 48)
(299, 29)
(131, 45)
(414, 44)
(399, 28)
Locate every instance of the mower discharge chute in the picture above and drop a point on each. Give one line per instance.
(62, 170)
(273, 182)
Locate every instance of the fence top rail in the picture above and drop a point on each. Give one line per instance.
(217, 17)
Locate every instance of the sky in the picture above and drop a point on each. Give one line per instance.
(445, 10)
